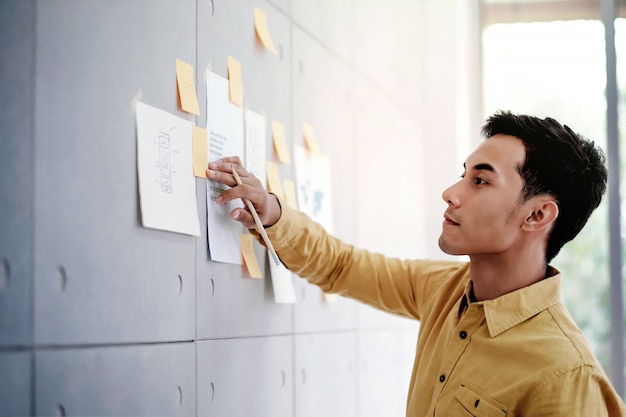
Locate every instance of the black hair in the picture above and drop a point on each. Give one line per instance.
(560, 163)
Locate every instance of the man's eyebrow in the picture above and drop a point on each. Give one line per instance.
(482, 167)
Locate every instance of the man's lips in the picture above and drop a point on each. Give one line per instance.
(447, 219)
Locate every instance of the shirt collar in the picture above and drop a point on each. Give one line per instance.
(513, 308)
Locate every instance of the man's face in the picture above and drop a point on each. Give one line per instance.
(484, 213)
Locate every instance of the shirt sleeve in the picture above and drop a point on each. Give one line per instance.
(391, 284)
(582, 391)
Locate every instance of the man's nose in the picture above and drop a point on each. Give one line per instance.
(451, 195)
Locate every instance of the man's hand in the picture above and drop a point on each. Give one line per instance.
(265, 204)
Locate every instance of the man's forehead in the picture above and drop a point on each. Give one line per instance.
(498, 153)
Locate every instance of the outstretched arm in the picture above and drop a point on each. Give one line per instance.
(335, 266)
(265, 204)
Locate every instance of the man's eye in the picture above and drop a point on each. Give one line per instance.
(479, 181)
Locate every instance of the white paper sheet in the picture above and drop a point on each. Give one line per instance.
(282, 283)
(225, 131)
(256, 140)
(313, 183)
(313, 178)
(167, 186)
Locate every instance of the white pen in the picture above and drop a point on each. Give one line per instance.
(257, 220)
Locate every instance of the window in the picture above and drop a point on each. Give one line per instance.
(547, 58)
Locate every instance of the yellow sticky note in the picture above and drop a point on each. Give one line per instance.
(249, 257)
(235, 91)
(200, 151)
(309, 140)
(273, 179)
(280, 145)
(260, 24)
(186, 87)
(289, 188)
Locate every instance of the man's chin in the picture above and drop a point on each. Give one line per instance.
(449, 249)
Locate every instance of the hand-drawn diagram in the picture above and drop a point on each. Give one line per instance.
(165, 166)
(255, 144)
(167, 186)
(314, 187)
(313, 198)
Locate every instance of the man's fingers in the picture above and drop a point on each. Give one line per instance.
(242, 191)
(227, 164)
(222, 177)
(250, 189)
(231, 160)
(244, 217)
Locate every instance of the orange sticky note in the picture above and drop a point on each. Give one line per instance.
(273, 179)
(280, 145)
(200, 151)
(260, 24)
(249, 257)
(309, 140)
(186, 87)
(235, 91)
(289, 188)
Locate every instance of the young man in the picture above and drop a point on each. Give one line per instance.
(494, 338)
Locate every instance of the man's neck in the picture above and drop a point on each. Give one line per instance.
(495, 275)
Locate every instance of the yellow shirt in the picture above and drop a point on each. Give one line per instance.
(518, 355)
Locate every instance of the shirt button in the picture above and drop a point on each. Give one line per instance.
(442, 378)
(463, 334)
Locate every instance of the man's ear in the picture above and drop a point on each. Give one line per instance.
(543, 213)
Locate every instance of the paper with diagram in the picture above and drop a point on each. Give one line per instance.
(256, 139)
(167, 186)
(225, 131)
(314, 184)
(313, 177)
